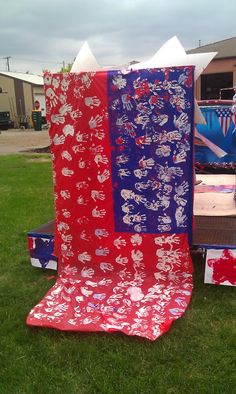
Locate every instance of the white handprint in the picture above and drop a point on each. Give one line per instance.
(75, 114)
(62, 226)
(100, 159)
(180, 200)
(163, 228)
(114, 299)
(86, 293)
(159, 276)
(97, 195)
(119, 82)
(124, 274)
(58, 140)
(81, 137)
(122, 159)
(90, 283)
(47, 79)
(65, 194)
(136, 239)
(79, 299)
(83, 257)
(96, 149)
(99, 135)
(57, 119)
(66, 155)
(86, 79)
(81, 200)
(164, 219)
(106, 267)
(181, 121)
(66, 238)
(180, 217)
(64, 247)
(65, 108)
(56, 82)
(67, 254)
(118, 242)
(170, 240)
(122, 120)
(52, 97)
(66, 213)
(69, 270)
(137, 255)
(102, 251)
(123, 172)
(121, 260)
(95, 122)
(140, 173)
(96, 213)
(163, 151)
(139, 228)
(127, 208)
(101, 233)
(99, 296)
(82, 185)
(173, 136)
(180, 157)
(175, 171)
(62, 98)
(68, 130)
(142, 120)
(105, 282)
(182, 189)
(78, 148)
(92, 101)
(140, 186)
(161, 119)
(126, 101)
(144, 109)
(139, 276)
(83, 220)
(87, 273)
(65, 83)
(146, 163)
(89, 320)
(104, 176)
(81, 163)
(66, 172)
(70, 290)
(84, 236)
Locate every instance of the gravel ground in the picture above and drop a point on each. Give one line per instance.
(17, 140)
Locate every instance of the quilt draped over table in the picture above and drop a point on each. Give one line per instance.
(121, 147)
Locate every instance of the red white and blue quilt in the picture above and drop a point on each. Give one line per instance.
(121, 147)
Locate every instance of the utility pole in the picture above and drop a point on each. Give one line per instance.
(8, 63)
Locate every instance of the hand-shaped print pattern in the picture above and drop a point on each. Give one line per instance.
(92, 101)
(103, 177)
(84, 257)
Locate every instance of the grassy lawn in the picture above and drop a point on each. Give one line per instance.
(196, 356)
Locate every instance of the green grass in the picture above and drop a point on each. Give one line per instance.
(196, 356)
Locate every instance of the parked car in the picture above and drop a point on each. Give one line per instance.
(5, 120)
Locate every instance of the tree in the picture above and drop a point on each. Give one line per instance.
(66, 68)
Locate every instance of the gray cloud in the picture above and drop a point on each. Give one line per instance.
(42, 35)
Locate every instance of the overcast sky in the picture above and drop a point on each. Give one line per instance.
(41, 35)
